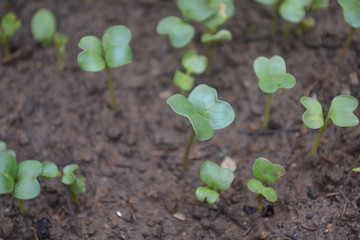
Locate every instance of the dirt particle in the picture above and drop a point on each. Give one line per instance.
(263, 235)
(249, 210)
(312, 194)
(7, 226)
(114, 133)
(43, 228)
(329, 228)
(179, 216)
(22, 138)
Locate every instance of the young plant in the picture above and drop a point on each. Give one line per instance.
(275, 17)
(60, 41)
(8, 26)
(272, 75)
(216, 178)
(193, 64)
(265, 173)
(114, 51)
(76, 185)
(340, 112)
(351, 9)
(197, 11)
(205, 112)
(43, 26)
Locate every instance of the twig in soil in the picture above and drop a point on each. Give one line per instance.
(19, 54)
(332, 194)
(217, 231)
(269, 132)
(322, 77)
(217, 213)
(247, 232)
(292, 236)
(237, 222)
(168, 208)
(344, 209)
(35, 234)
(309, 228)
(323, 157)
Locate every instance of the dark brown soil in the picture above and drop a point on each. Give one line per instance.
(132, 158)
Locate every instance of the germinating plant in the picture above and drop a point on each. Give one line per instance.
(205, 112)
(8, 26)
(60, 41)
(216, 178)
(351, 9)
(265, 173)
(193, 64)
(113, 51)
(340, 113)
(272, 75)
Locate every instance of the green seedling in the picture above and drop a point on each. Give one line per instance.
(8, 26)
(340, 113)
(193, 64)
(205, 112)
(60, 41)
(265, 173)
(197, 11)
(76, 185)
(114, 51)
(275, 17)
(43, 26)
(272, 75)
(216, 178)
(351, 9)
(356, 169)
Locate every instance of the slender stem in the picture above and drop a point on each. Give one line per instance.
(21, 207)
(275, 19)
(59, 62)
(288, 27)
(318, 138)
(259, 203)
(209, 53)
(111, 88)
(6, 47)
(187, 150)
(267, 112)
(346, 46)
(73, 197)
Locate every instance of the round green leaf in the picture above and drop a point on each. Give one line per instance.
(210, 195)
(60, 41)
(198, 10)
(68, 174)
(180, 33)
(78, 186)
(224, 9)
(222, 35)
(272, 74)
(8, 168)
(50, 170)
(116, 46)
(267, 172)
(91, 58)
(194, 63)
(183, 81)
(294, 10)
(43, 26)
(271, 2)
(313, 117)
(256, 186)
(216, 177)
(351, 9)
(9, 25)
(341, 111)
(27, 187)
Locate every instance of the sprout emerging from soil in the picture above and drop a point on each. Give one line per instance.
(275, 17)
(216, 178)
(351, 9)
(114, 51)
(76, 185)
(8, 26)
(60, 41)
(193, 64)
(340, 112)
(205, 112)
(272, 75)
(265, 173)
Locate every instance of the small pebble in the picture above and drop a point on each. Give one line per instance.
(114, 133)
(263, 235)
(229, 163)
(22, 138)
(179, 216)
(119, 214)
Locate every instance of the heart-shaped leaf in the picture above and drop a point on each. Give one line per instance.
(216, 177)
(224, 9)
(50, 170)
(78, 186)
(222, 35)
(210, 195)
(341, 111)
(294, 10)
(116, 46)
(180, 33)
(271, 2)
(198, 10)
(194, 63)
(183, 81)
(68, 174)
(9, 24)
(43, 26)
(91, 58)
(27, 187)
(8, 168)
(313, 117)
(267, 172)
(351, 9)
(272, 74)
(256, 186)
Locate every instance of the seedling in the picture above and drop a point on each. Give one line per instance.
(114, 51)
(76, 185)
(351, 9)
(197, 11)
(216, 178)
(272, 75)
(60, 41)
(43, 26)
(8, 26)
(356, 169)
(340, 112)
(265, 173)
(205, 112)
(275, 14)
(193, 64)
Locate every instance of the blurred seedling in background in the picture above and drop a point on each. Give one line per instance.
(272, 75)
(216, 178)
(205, 112)
(43, 28)
(114, 51)
(8, 26)
(193, 64)
(265, 173)
(340, 113)
(351, 9)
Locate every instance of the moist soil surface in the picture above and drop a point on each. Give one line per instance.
(132, 158)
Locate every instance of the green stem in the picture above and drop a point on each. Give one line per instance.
(111, 88)
(187, 150)
(318, 138)
(259, 203)
(59, 62)
(21, 207)
(267, 112)
(209, 53)
(346, 46)
(275, 19)
(6, 47)
(73, 197)
(288, 27)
